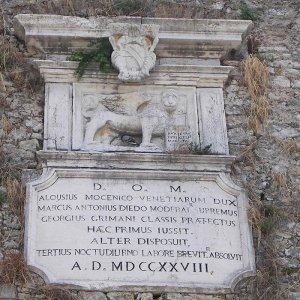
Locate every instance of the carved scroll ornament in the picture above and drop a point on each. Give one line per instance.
(133, 48)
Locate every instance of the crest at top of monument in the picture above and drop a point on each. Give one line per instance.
(133, 48)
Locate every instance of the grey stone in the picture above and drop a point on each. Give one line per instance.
(2, 84)
(34, 124)
(37, 135)
(273, 49)
(218, 5)
(295, 65)
(282, 64)
(120, 296)
(11, 245)
(92, 296)
(202, 297)
(30, 145)
(295, 296)
(173, 296)
(284, 235)
(273, 44)
(18, 134)
(291, 225)
(22, 296)
(296, 84)
(281, 81)
(30, 175)
(292, 72)
(7, 292)
(293, 251)
(177, 296)
(12, 222)
(297, 228)
(286, 133)
(144, 296)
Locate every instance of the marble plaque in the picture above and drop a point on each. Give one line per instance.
(113, 229)
(133, 118)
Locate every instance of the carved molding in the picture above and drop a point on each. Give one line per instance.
(198, 76)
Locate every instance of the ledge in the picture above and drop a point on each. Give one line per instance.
(136, 161)
(192, 75)
(202, 38)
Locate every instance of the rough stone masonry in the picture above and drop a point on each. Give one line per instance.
(267, 163)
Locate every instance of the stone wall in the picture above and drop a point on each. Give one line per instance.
(267, 163)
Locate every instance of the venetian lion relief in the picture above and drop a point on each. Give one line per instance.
(133, 47)
(145, 120)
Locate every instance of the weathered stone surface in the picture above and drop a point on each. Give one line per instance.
(58, 116)
(30, 145)
(296, 84)
(287, 133)
(176, 296)
(120, 296)
(272, 34)
(91, 296)
(144, 296)
(30, 175)
(281, 81)
(295, 296)
(22, 296)
(2, 83)
(295, 252)
(8, 292)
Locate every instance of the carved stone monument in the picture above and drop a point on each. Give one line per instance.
(127, 199)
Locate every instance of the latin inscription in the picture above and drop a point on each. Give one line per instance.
(143, 228)
(178, 138)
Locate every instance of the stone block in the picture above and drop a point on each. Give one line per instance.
(30, 175)
(144, 296)
(295, 296)
(281, 81)
(178, 296)
(293, 251)
(22, 296)
(30, 145)
(286, 133)
(173, 296)
(2, 84)
(120, 296)
(201, 297)
(92, 296)
(296, 84)
(7, 292)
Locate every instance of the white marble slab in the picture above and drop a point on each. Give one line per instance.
(58, 116)
(212, 119)
(115, 229)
